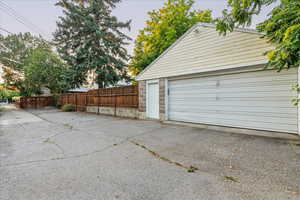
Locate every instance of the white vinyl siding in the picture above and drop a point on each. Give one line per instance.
(257, 100)
(208, 51)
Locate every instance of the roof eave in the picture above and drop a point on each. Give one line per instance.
(209, 70)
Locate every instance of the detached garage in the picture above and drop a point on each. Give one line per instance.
(210, 79)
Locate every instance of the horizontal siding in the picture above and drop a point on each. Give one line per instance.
(257, 100)
(206, 51)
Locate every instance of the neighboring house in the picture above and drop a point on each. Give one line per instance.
(82, 89)
(45, 91)
(210, 79)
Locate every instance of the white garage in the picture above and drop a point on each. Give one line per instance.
(257, 100)
(209, 79)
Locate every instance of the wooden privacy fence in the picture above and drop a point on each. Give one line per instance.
(36, 102)
(126, 97)
(79, 100)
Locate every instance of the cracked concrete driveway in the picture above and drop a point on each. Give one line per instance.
(48, 154)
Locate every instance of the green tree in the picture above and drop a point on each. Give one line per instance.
(282, 28)
(43, 68)
(90, 39)
(163, 28)
(8, 94)
(14, 50)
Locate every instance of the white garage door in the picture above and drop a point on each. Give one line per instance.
(257, 100)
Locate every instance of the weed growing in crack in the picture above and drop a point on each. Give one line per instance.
(295, 144)
(190, 169)
(68, 126)
(48, 140)
(232, 179)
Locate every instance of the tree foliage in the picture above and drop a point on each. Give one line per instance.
(13, 79)
(282, 27)
(8, 94)
(90, 39)
(42, 68)
(29, 64)
(163, 28)
(15, 48)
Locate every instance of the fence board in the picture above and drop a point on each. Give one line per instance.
(36, 102)
(112, 97)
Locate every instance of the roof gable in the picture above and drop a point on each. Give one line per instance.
(202, 49)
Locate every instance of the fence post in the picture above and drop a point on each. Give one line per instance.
(115, 105)
(76, 107)
(85, 102)
(98, 101)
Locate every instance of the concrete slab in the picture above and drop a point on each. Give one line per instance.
(83, 156)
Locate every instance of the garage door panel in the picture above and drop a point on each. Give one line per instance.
(258, 100)
(232, 83)
(239, 116)
(247, 102)
(287, 112)
(250, 114)
(291, 128)
(289, 95)
(242, 88)
(234, 99)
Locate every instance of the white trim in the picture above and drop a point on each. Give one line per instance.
(166, 99)
(298, 104)
(220, 72)
(156, 81)
(166, 51)
(214, 69)
(152, 81)
(245, 30)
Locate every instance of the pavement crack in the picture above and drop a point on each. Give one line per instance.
(64, 157)
(49, 141)
(65, 125)
(190, 169)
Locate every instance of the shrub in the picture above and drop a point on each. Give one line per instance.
(68, 108)
(16, 99)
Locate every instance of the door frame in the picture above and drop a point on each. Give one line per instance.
(156, 81)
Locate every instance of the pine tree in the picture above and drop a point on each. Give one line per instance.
(90, 39)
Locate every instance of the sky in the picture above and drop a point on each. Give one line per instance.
(43, 14)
